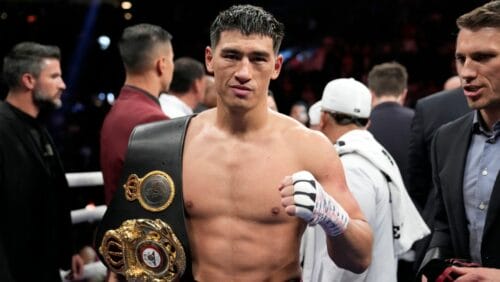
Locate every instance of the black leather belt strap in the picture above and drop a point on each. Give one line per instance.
(156, 146)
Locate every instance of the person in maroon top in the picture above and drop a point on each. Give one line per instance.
(147, 55)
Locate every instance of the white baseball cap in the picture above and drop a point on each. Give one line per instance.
(347, 96)
(315, 113)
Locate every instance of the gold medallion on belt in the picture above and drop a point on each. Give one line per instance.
(155, 191)
(146, 249)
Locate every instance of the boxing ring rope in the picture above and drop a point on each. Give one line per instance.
(85, 179)
(90, 213)
(81, 179)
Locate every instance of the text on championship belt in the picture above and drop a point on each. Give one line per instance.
(144, 250)
(155, 191)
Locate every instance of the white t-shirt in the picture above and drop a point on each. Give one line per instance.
(174, 107)
(369, 187)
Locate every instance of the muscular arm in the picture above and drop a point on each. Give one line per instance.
(348, 246)
(352, 249)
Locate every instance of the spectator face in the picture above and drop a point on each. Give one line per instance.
(478, 65)
(49, 85)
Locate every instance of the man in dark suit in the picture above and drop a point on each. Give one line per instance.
(390, 123)
(389, 120)
(35, 241)
(430, 113)
(464, 156)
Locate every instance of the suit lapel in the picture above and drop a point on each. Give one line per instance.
(453, 172)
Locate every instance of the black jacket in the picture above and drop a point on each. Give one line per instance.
(390, 125)
(36, 235)
(430, 113)
(451, 236)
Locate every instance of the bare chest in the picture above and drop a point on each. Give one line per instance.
(237, 181)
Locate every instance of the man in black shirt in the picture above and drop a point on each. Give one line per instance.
(33, 187)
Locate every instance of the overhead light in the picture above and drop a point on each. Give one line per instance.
(126, 5)
(101, 96)
(104, 42)
(110, 98)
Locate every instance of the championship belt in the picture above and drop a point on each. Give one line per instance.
(143, 235)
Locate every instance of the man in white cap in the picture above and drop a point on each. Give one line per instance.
(314, 115)
(374, 179)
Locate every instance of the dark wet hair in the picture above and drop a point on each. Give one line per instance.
(247, 19)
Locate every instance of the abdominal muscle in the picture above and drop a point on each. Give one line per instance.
(240, 232)
(231, 250)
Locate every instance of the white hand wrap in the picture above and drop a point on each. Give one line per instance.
(315, 206)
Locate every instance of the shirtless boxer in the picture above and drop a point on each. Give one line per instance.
(246, 205)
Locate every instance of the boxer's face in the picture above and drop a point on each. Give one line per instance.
(243, 66)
